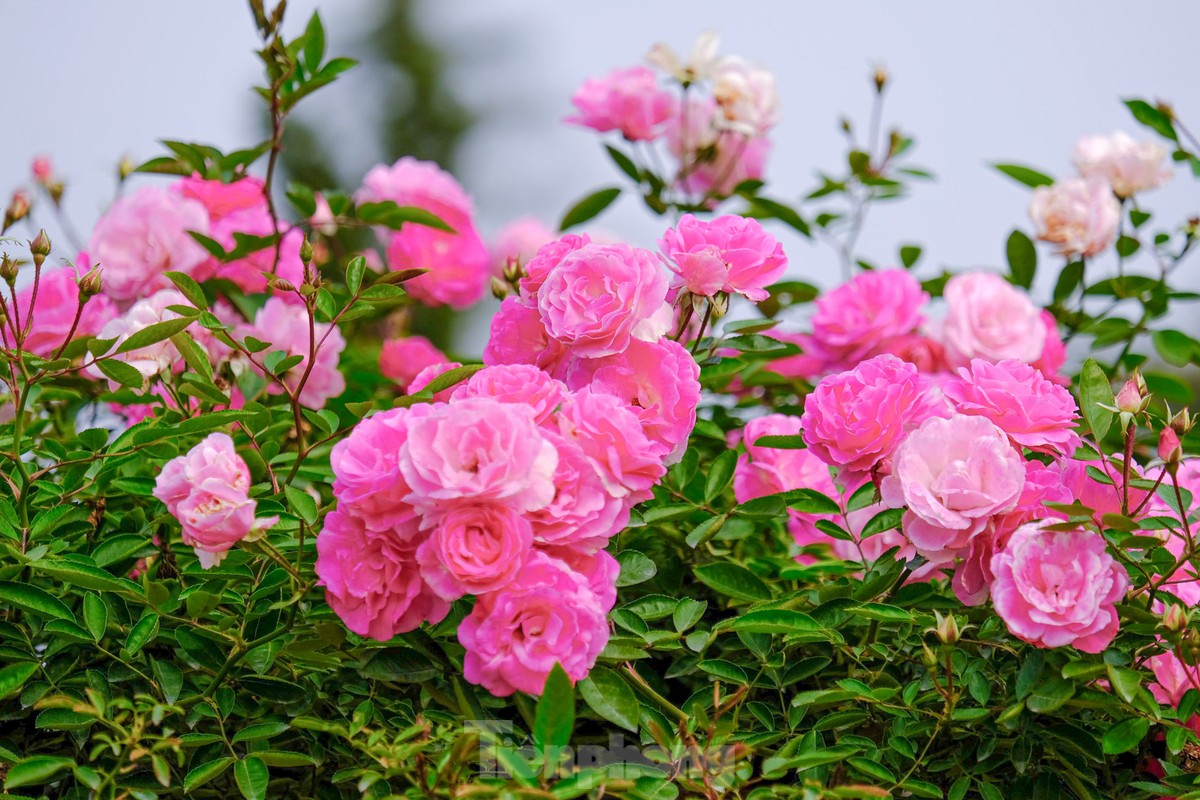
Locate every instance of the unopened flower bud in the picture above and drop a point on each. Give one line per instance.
(55, 190)
(42, 170)
(40, 247)
(513, 271)
(1175, 618)
(1170, 450)
(126, 167)
(500, 289)
(306, 251)
(280, 285)
(89, 284)
(880, 78)
(1132, 399)
(8, 269)
(1182, 423)
(946, 628)
(18, 208)
(928, 656)
(720, 305)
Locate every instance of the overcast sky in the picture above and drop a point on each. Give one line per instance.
(973, 82)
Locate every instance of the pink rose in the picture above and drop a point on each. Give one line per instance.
(582, 515)
(1056, 589)
(728, 254)
(366, 468)
(1034, 412)
(152, 359)
(429, 375)
(474, 549)
(517, 336)
(746, 95)
(403, 358)
(854, 420)
(54, 310)
(1172, 678)
(545, 260)
(476, 449)
(518, 242)
(144, 235)
(522, 384)
(1128, 166)
(1054, 352)
(371, 579)
(865, 315)
(601, 297)
(287, 327)
(458, 263)
(1078, 215)
(713, 159)
(548, 615)
(987, 317)
(953, 475)
(610, 434)
(925, 353)
(625, 100)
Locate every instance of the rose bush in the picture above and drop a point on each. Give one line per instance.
(683, 526)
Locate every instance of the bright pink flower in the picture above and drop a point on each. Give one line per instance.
(628, 463)
(864, 315)
(403, 358)
(582, 515)
(144, 235)
(1056, 589)
(1078, 215)
(54, 311)
(599, 569)
(153, 359)
(518, 242)
(287, 327)
(987, 317)
(429, 375)
(549, 615)
(625, 100)
(1034, 412)
(476, 449)
(853, 420)
(518, 336)
(729, 254)
(1054, 352)
(601, 297)
(1172, 678)
(713, 159)
(925, 353)
(458, 263)
(1102, 498)
(953, 475)
(371, 579)
(366, 468)
(973, 576)
(522, 384)
(1128, 166)
(474, 549)
(42, 170)
(547, 259)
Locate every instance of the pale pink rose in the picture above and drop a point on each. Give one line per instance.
(863, 316)
(1172, 678)
(54, 311)
(522, 384)
(582, 515)
(601, 297)
(1102, 498)
(144, 235)
(953, 475)
(474, 549)
(728, 254)
(322, 220)
(1056, 589)
(628, 463)
(458, 263)
(987, 317)
(1078, 215)
(429, 375)
(625, 100)
(854, 420)
(1127, 165)
(287, 327)
(518, 242)
(517, 336)
(403, 358)
(746, 95)
(713, 160)
(153, 359)
(207, 491)
(371, 579)
(545, 260)
(1022, 402)
(1054, 352)
(476, 449)
(549, 615)
(366, 469)
(660, 381)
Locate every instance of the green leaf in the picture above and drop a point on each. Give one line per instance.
(554, 719)
(733, 580)
(635, 568)
(393, 216)
(909, 254)
(144, 631)
(688, 613)
(87, 577)
(1022, 259)
(1176, 348)
(153, 334)
(1050, 696)
(611, 698)
(1125, 735)
(252, 777)
(13, 676)
(589, 207)
(354, 273)
(451, 378)
(885, 520)
(263, 730)
(1158, 121)
(1068, 281)
(1094, 390)
(35, 771)
(34, 600)
(624, 163)
(121, 373)
(775, 621)
(719, 475)
(1125, 681)
(302, 503)
(1025, 175)
(204, 773)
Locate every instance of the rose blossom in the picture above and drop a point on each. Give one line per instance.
(582, 515)
(1128, 166)
(144, 235)
(628, 463)
(522, 384)
(473, 549)
(429, 375)
(866, 314)
(286, 326)
(625, 100)
(403, 358)
(987, 317)
(1055, 589)
(476, 449)
(152, 359)
(1034, 412)
(746, 95)
(599, 569)
(1054, 352)
(518, 242)
(926, 353)
(545, 260)
(54, 312)
(953, 475)
(371, 579)
(548, 615)
(366, 468)
(600, 297)
(1078, 215)
(713, 160)
(517, 336)
(1172, 678)
(728, 254)
(855, 419)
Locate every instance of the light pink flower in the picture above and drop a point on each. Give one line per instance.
(987, 317)
(549, 615)
(1054, 352)
(521, 384)
(153, 359)
(518, 242)
(371, 579)
(54, 312)
(713, 160)
(746, 95)
(628, 463)
(144, 235)
(1056, 589)
(865, 315)
(286, 327)
(582, 515)
(1022, 402)
(953, 475)
(625, 100)
(366, 468)
(1128, 166)
(517, 336)
(601, 297)
(1079, 216)
(474, 549)
(853, 420)
(42, 170)
(403, 358)
(473, 450)
(729, 254)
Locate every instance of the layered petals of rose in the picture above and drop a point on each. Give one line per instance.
(1125, 164)
(989, 318)
(1033, 411)
(1078, 215)
(866, 316)
(287, 327)
(625, 100)
(474, 549)
(610, 435)
(729, 254)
